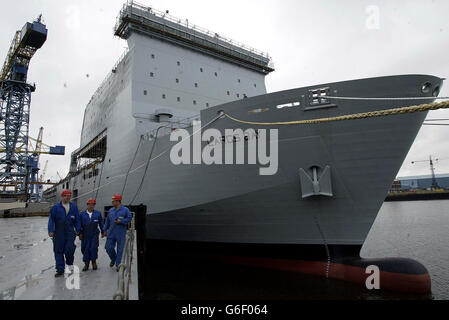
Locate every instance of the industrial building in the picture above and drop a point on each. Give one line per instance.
(424, 182)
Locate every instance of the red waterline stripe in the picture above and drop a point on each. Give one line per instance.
(399, 282)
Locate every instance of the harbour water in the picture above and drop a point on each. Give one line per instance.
(417, 230)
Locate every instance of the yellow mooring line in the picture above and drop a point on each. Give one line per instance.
(364, 115)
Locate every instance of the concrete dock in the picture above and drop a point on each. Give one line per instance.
(27, 267)
(22, 209)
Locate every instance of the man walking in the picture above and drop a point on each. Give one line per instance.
(115, 230)
(91, 224)
(63, 227)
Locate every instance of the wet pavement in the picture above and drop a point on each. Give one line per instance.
(27, 267)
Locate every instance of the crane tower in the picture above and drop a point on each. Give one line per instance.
(15, 99)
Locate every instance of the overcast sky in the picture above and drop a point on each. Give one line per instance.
(311, 42)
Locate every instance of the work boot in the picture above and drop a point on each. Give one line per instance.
(94, 265)
(59, 274)
(112, 264)
(86, 266)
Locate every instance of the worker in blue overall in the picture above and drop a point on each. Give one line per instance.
(63, 227)
(91, 225)
(115, 230)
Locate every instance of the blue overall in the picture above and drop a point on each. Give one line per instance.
(116, 233)
(64, 226)
(91, 233)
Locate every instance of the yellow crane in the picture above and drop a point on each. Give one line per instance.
(44, 171)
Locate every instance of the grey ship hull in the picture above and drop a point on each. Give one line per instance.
(233, 204)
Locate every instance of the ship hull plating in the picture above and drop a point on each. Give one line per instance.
(235, 204)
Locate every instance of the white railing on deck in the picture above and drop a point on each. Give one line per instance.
(100, 88)
(197, 31)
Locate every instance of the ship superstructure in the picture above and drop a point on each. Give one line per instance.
(171, 71)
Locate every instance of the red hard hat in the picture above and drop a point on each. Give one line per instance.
(117, 197)
(91, 201)
(66, 193)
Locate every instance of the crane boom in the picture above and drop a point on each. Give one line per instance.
(432, 171)
(23, 47)
(44, 171)
(39, 140)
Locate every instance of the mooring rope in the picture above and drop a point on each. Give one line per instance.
(355, 116)
(150, 159)
(132, 163)
(124, 272)
(384, 99)
(365, 115)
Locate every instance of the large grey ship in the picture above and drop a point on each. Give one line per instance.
(332, 177)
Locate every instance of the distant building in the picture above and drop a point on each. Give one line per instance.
(396, 186)
(424, 182)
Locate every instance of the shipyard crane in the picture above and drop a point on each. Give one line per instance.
(41, 179)
(434, 185)
(33, 168)
(44, 171)
(34, 185)
(15, 99)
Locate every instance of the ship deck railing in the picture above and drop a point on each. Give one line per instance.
(113, 71)
(181, 28)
